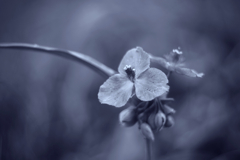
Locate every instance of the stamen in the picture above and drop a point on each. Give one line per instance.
(177, 51)
(130, 72)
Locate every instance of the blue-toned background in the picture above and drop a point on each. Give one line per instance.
(48, 105)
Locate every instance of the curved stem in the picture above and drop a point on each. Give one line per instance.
(148, 149)
(79, 57)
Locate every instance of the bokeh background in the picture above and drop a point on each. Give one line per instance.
(49, 108)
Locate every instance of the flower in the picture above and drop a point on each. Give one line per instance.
(174, 62)
(135, 77)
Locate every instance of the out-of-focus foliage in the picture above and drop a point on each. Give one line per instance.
(49, 107)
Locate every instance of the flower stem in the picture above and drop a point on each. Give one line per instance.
(79, 57)
(148, 149)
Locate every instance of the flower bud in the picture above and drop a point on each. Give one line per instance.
(160, 120)
(168, 110)
(128, 117)
(169, 122)
(151, 121)
(147, 131)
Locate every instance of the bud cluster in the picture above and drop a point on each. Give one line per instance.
(152, 116)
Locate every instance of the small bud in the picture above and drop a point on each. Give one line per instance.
(128, 117)
(142, 117)
(151, 121)
(168, 110)
(169, 122)
(147, 131)
(160, 120)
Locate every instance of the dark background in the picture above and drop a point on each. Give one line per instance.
(49, 107)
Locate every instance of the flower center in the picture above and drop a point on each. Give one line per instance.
(176, 54)
(130, 72)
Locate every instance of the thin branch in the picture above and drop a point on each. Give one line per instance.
(79, 57)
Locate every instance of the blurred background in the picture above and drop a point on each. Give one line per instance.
(49, 108)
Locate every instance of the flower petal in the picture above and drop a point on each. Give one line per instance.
(137, 58)
(164, 63)
(188, 72)
(115, 91)
(151, 84)
(161, 61)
